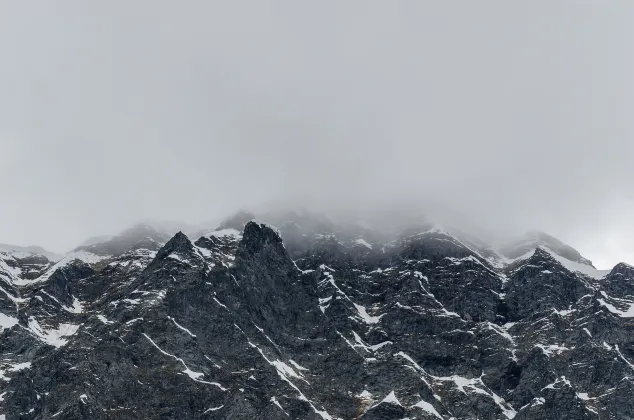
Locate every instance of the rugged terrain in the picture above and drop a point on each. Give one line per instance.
(314, 321)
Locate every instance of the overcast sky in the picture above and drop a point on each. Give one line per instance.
(516, 114)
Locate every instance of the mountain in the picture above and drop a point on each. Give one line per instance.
(23, 263)
(294, 316)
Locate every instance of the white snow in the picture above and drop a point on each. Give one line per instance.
(449, 313)
(7, 321)
(213, 409)
(283, 373)
(277, 403)
(428, 408)
(85, 256)
(193, 375)
(572, 266)
(222, 233)
(128, 301)
(297, 366)
(565, 312)
(503, 331)
(552, 348)
(77, 306)
(104, 319)
(583, 396)
(562, 380)
(220, 303)
(20, 366)
(177, 257)
(365, 394)
(322, 301)
(362, 241)
(500, 331)
(475, 384)
(378, 346)
(367, 318)
(13, 298)
(629, 313)
(391, 398)
(52, 336)
(578, 267)
(286, 369)
(181, 327)
(616, 348)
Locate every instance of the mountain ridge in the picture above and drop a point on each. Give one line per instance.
(315, 321)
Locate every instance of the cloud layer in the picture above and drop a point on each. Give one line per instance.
(515, 116)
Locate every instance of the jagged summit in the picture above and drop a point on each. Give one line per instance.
(179, 244)
(536, 239)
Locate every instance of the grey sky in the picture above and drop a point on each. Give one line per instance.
(517, 114)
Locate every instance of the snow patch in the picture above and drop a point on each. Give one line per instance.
(7, 321)
(362, 242)
(391, 399)
(552, 349)
(193, 375)
(427, 407)
(52, 336)
(629, 313)
(367, 318)
(181, 327)
(277, 403)
(84, 256)
(213, 409)
(104, 320)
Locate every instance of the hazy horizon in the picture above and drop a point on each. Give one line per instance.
(507, 116)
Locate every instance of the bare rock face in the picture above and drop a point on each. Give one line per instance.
(338, 322)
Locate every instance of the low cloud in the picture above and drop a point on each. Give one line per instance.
(506, 116)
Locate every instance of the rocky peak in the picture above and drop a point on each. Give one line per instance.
(537, 239)
(431, 243)
(540, 283)
(622, 270)
(179, 244)
(620, 281)
(260, 238)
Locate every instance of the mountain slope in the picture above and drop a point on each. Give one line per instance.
(338, 322)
